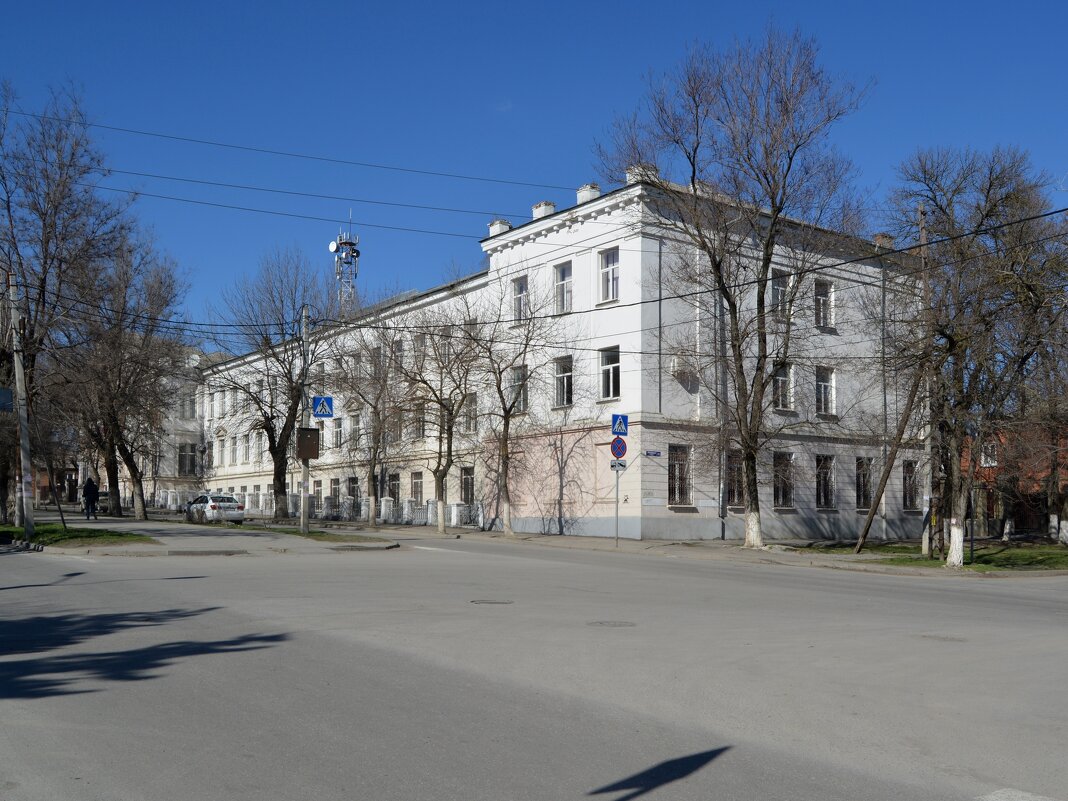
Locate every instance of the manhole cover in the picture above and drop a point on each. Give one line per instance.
(485, 601)
(612, 624)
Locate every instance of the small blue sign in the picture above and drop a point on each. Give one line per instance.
(619, 425)
(322, 406)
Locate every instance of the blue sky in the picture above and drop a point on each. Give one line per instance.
(517, 92)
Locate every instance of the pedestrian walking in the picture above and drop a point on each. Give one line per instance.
(90, 494)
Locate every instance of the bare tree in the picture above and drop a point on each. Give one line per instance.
(55, 228)
(734, 147)
(261, 327)
(114, 372)
(439, 376)
(513, 325)
(997, 264)
(371, 378)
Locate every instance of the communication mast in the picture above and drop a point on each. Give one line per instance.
(346, 266)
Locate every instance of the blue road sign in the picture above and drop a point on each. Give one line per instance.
(619, 425)
(619, 447)
(322, 406)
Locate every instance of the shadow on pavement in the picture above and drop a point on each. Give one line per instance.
(658, 775)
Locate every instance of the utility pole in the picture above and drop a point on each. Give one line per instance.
(305, 473)
(26, 483)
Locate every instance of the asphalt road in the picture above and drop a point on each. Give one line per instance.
(506, 672)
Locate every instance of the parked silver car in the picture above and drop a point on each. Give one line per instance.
(214, 509)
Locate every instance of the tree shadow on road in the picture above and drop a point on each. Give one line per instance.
(42, 675)
(659, 775)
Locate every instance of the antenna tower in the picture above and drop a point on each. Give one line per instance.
(346, 266)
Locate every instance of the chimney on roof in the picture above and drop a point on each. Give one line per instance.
(588, 192)
(543, 209)
(636, 173)
(884, 241)
(499, 226)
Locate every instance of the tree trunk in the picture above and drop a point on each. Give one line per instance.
(506, 491)
(754, 536)
(111, 470)
(372, 493)
(439, 494)
(955, 558)
(136, 480)
(278, 486)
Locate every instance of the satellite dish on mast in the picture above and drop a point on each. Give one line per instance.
(333, 247)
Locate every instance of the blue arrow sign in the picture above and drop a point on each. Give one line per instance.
(619, 425)
(322, 406)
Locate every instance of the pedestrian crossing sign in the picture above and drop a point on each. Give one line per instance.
(619, 425)
(322, 406)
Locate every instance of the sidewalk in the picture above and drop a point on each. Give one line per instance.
(178, 538)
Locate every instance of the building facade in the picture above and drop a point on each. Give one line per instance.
(588, 302)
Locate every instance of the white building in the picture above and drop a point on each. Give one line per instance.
(599, 271)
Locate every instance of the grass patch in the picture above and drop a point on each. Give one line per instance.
(989, 558)
(53, 534)
(869, 547)
(323, 536)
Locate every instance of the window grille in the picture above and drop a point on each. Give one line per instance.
(680, 491)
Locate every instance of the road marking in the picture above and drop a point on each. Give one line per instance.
(428, 548)
(1009, 794)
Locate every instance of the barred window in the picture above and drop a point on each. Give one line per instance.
(782, 476)
(909, 486)
(864, 493)
(680, 491)
(825, 495)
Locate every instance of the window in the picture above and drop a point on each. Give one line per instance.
(735, 489)
(864, 482)
(824, 390)
(679, 489)
(610, 275)
(233, 400)
(780, 292)
(259, 446)
(988, 455)
(909, 486)
(187, 409)
(563, 288)
(419, 349)
(469, 414)
(317, 496)
(354, 431)
(352, 486)
(824, 300)
(211, 406)
(187, 459)
(825, 495)
(519, 388)
(610, 373)
(209, 454)
(782, 388)
(467, 485)
(375, 367)
(520, 299)
(397, 353)
(338, 430)
(322, 435)
(783, 480)
(233, 450)
(393, 486)
(246, 448)
(419, 420)
(564, 368)
(320, 377)
(417, 487)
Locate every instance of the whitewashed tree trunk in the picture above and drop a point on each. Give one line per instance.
(441, 515)
(1008, 529)
(754, 536)
(955, 557)
(1053, 529)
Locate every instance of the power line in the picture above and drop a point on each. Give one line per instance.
(285, 153)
